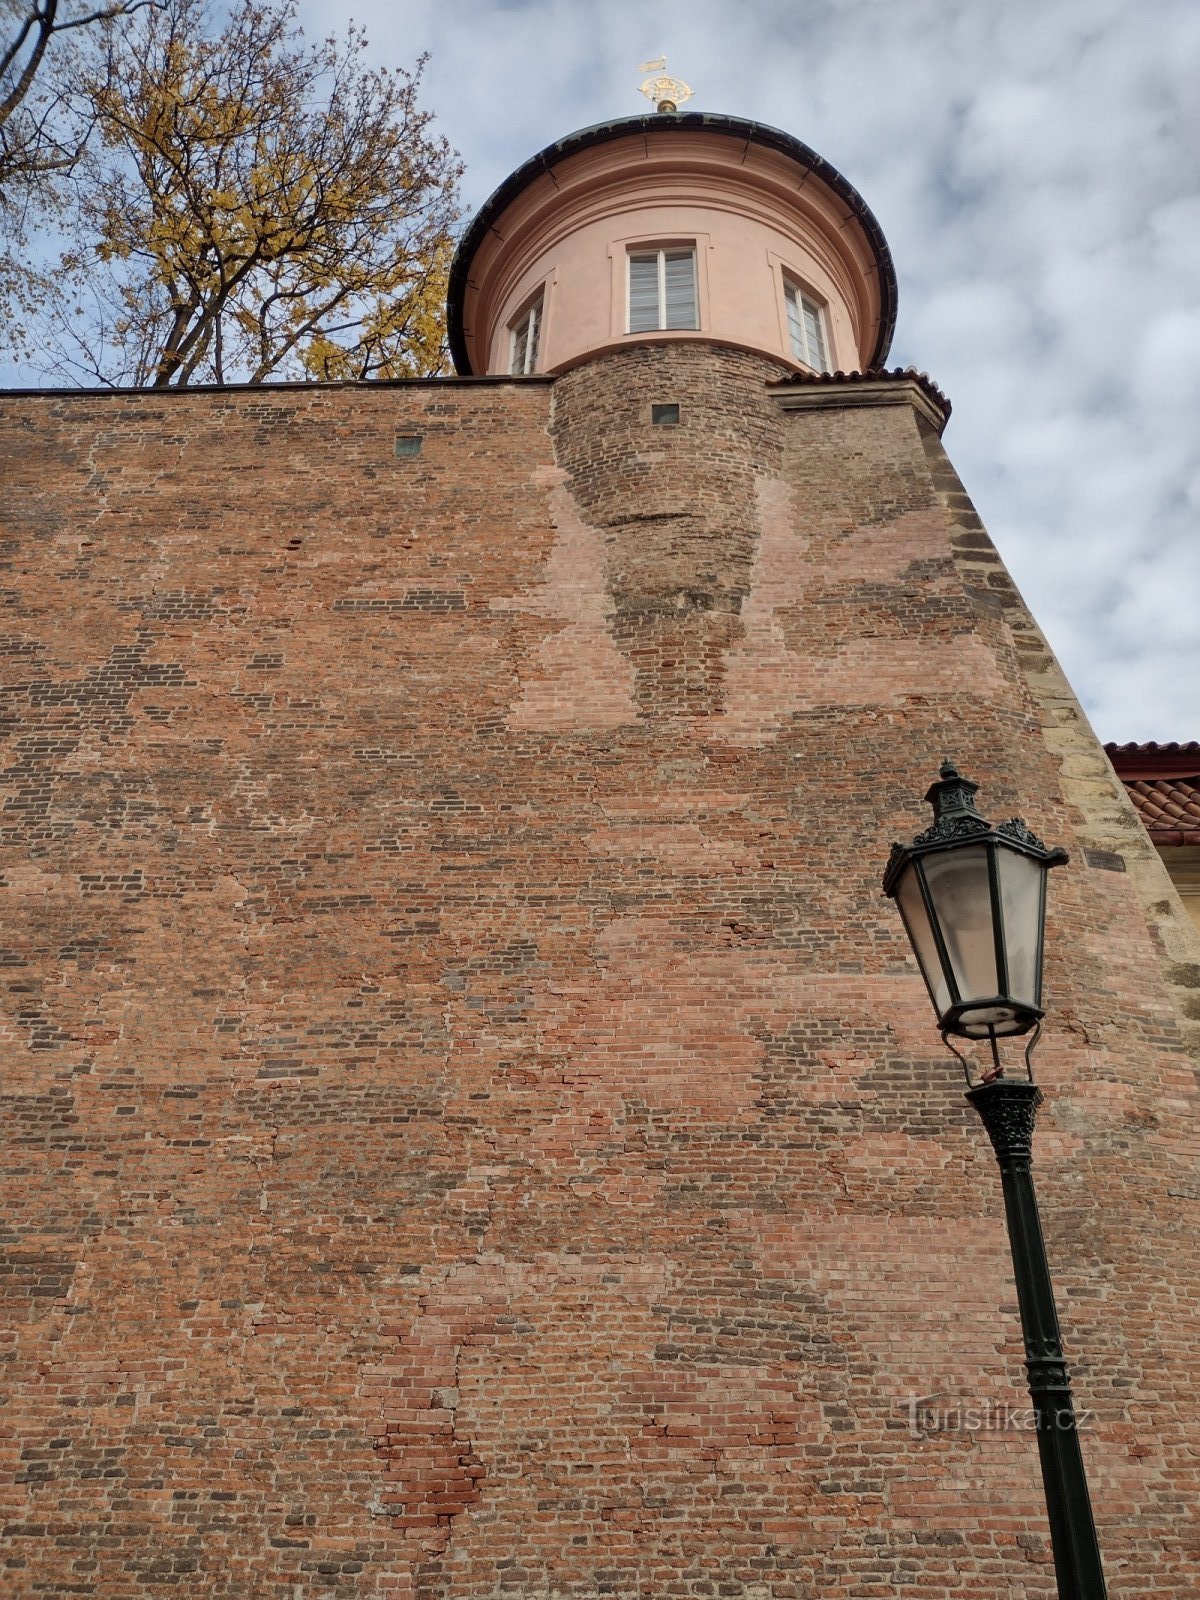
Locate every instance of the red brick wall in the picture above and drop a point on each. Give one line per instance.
(472, 1126)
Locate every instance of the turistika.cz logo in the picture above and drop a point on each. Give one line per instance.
(942, 1413)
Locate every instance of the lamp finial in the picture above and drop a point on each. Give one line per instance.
(953, 800)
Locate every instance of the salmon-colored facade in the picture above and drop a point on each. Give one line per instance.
(759, 217)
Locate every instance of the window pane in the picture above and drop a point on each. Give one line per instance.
(681, 289)
(806, 328)
(531, 338)
(524, 347)
(815, 327)
(643, 293)
(795, 325)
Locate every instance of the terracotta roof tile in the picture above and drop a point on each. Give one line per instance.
(1163, 781)
(1169, 807)
(1174, 750)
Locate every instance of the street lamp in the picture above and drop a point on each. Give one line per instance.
(973, 900)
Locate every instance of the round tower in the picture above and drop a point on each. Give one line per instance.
(672, 226)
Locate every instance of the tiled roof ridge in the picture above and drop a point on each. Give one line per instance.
(1151, 762)
(1151, 748)
(874, 375)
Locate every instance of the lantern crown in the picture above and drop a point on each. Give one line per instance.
(956, 818)
(953, 800)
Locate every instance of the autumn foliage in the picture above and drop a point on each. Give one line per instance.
(257, 206)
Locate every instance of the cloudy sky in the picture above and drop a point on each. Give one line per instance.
(1034, 165)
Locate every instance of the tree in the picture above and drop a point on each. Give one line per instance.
(260, 206)
(45, 124)
(43, 127)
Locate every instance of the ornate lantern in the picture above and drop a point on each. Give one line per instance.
(973, 900)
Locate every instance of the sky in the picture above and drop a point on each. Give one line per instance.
(1035, 166)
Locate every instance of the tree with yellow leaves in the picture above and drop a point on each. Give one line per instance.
(260, 207)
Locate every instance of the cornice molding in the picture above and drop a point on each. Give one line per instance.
(842, 391)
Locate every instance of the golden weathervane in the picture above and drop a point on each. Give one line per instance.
(667, 93)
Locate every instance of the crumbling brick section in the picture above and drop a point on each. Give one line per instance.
(472, 1126)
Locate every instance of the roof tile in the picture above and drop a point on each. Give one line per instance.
(1163, 781)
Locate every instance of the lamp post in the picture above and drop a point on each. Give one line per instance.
(973, 900)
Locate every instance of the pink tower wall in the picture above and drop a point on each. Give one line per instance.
(753, 213)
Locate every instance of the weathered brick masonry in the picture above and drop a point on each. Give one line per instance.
(473, 1127)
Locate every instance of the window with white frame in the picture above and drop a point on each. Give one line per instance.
(806, 325)
(662, 289)
(524, 335)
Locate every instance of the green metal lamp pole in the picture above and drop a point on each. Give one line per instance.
(1008, 1108)
(973, 900)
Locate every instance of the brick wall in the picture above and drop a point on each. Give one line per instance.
(472, 1126)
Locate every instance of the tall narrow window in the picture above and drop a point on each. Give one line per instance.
(806, 324)
(662, 290)
(524, 334)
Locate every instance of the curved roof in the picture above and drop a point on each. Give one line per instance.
(651, 122)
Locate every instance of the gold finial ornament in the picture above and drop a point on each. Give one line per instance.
(667, 93)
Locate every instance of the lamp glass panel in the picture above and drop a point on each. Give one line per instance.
(912, 909)
(962, 902)
(1021, 902)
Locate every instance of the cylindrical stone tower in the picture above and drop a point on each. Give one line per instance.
(670, 268)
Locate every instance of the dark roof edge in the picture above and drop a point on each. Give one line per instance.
(1192, 747)
(295, 385)
(654, 121)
